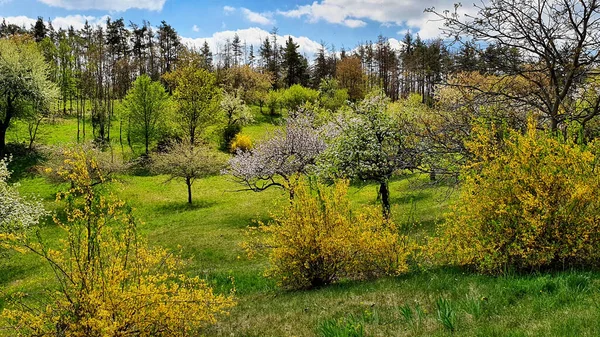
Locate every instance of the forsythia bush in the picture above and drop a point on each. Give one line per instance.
(240, 143)
(318, 239)
(527, 202)
(110, 283)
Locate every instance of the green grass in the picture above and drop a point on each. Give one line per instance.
(420, 303)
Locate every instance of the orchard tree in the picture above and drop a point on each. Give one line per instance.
(187, 162)
(146, 104)
(282, 159)
(370, 145)
(197, 98)
(557, 40)
(23, 82)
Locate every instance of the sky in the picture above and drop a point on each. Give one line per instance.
(338, 23)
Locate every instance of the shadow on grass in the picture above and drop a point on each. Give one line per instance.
(176, 207)
(24, 161)
(409, 198)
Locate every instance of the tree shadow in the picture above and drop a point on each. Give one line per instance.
(177, 207)
(24, 161)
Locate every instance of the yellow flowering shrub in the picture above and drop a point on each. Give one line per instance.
(318, 239)
(240, 143)
(528, 201)
(109, 282)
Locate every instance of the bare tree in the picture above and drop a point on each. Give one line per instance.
(187, 162)
(558, 43)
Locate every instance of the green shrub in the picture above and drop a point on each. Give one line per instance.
(527, 202)
(297, 95)
(318, 239)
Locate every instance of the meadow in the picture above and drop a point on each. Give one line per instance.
(424, 302)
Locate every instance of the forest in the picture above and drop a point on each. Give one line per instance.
(441, 187)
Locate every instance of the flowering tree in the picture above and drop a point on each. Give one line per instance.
(16, 213)
(370, 145)
(280, 160)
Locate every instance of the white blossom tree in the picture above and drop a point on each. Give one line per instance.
(279, 161)
(369, 145)
(16, 213)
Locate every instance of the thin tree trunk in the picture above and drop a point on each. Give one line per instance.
(189, 188)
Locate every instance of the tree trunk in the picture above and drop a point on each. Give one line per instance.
(3, 128)
(384, 190)
(188, 182)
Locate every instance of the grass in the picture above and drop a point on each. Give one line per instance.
(436, 302)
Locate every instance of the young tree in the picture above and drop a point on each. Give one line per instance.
(187, 162)
(23, 81)
(146, 103)
(370, 146)
(198, 99)
(279, 161)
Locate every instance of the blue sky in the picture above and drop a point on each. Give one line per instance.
(343, 23)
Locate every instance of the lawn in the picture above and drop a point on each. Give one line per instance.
(423, 302)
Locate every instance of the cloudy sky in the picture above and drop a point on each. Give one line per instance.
(343, 23)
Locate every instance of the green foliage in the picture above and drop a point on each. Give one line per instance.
(147, 105)
(343, 327)
(318, 239)
(446, 314)
(197, 98)
(527, 201)
(331, 96)
(297, 95)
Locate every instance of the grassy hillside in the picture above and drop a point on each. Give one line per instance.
(421, 303)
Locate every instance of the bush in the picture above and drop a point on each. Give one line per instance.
(527, 202)
(297, 95)
(111, 283)
(240, 143)
(318, 240)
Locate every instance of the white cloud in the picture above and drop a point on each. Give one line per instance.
(3, 2)
(353, 23)
(228, 9)
(21, 21)
(195, 28)
(351, 13)
(251, 36)
(107, 5)
(64, 22)
(259, 18)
